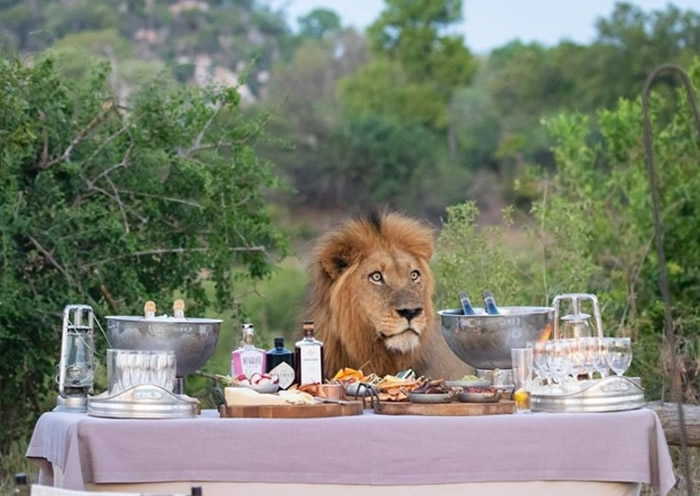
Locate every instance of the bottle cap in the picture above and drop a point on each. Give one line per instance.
(196, 491)
(308, 327)
(178, 305)
(487, 294)
(279, 342)
(21, 479)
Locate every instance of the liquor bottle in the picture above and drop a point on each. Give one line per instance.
(179, 309)
(149, 309)
(467, 308)
(21, 485)
(308, 357)
(280, 361)
(247, 360)
(490, 303)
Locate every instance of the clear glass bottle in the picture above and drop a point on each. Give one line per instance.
(248, 360)
(465, 302)
(308, 357)
(280, 362)
(490, 303)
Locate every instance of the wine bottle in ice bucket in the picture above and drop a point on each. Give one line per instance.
(466, 304)
(490, 303)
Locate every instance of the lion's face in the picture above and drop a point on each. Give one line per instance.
(390, 287)
(371, 293)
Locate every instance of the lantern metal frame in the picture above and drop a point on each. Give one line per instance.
(80, 320)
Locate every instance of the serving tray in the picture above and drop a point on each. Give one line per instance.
(453, 409)
(292, 411)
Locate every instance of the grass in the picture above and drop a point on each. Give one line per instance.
(12, 463)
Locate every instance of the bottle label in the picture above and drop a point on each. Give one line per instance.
(248, 362)
(286, 374)
(310, 368)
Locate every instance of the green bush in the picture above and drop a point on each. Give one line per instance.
(110, 205)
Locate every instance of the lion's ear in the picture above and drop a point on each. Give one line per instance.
(337, 256)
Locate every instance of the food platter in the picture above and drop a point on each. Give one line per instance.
(452, 409)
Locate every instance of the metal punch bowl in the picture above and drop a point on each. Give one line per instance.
(484, 341)
(192, 340)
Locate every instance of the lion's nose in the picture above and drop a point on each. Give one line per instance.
(409, 313)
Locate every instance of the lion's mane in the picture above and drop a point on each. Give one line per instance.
(332, 299)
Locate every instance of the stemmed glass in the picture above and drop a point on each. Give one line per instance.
(619, 354)
(557, 360)
(539, 358)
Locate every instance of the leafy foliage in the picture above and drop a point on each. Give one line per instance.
(593, 232)
(108, 206)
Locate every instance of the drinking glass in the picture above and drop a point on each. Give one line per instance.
(539, 358)
(557, 361)
(619, 354)
(599, 356)
(522, 359)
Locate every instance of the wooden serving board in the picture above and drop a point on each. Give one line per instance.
(445, 409)
(292, 411)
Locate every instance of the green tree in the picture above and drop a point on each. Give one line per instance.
(109, 206)
(318, 24)
(414, 35)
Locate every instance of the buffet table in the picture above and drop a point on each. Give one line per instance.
(604, 453)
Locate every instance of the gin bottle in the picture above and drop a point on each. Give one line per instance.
(280, 362)
(247, 360)
(308, 357)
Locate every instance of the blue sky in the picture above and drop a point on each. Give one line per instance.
(491, 23)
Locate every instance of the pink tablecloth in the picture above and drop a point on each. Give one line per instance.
(367, 449)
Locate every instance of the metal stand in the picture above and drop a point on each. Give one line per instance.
(179, 387)
(71, 404)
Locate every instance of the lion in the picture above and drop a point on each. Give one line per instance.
(370, 297)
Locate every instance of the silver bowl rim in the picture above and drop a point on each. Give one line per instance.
(169, 320)
(457, 312)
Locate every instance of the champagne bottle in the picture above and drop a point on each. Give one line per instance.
(490, 303)
(179, 309)
(149, 309)
(467, 308)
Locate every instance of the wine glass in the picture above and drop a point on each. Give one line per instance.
(599, 356)
(539, 359)
(558, 362)
(619, 354)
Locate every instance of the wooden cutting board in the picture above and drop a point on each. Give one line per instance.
(445, 409)
(292, 411)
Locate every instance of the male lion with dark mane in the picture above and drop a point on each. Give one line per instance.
(371, 295)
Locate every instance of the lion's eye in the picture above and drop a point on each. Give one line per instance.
(415, 275)
(376, 277)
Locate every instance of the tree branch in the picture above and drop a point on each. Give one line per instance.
(107, 107)
(54, 262)
(167, 251)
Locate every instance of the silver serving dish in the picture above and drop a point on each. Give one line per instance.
(192, 340)
(146, 401)
(611, 394)
(484, 341)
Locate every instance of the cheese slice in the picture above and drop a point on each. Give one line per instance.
(242, 396)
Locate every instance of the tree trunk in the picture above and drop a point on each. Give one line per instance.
(668, 414)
